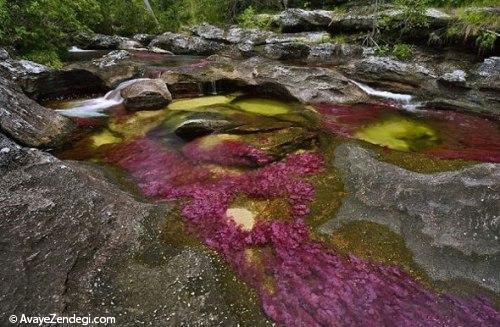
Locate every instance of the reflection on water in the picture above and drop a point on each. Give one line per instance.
(250, 176)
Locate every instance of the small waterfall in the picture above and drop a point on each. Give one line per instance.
(405, 100)
(93, 108)
(75, 49)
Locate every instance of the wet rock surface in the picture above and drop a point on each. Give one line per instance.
(448, 220)
(27, 122)
(146, 94)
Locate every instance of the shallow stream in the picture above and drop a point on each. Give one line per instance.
(254, 180)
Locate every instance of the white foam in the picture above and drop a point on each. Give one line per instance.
(97, 107)
(405, 100)
(76, 49)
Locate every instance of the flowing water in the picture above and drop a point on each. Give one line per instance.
(256, 182)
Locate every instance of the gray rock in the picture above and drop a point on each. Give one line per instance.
(298, 20)
(60, 222)
(27, 122)
(210, 32)
(131, 45)
(391, 74)
(41, 82)
(489, 73)
(143, 39)
(146, 94)
(455, 78)
(112, 58)
(450, 221)
(99, 41)
(327, 52)
(287, 51)
(186, 44)
(269, 77)
(203, 123)
(4, 54)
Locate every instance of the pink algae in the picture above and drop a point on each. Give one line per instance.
(300, 282)
(227, 152)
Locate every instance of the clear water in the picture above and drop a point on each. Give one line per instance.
(256, 188)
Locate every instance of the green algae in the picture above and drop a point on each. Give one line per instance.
(399, 133)
(195, 103)
(421, 163)
(261, 106)
(377, 243)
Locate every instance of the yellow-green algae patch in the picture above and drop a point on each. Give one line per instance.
(399, 133)
(192, 104)
(104, 137)
(266, 107)
(138, 124)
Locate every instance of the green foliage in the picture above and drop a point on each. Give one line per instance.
(399, 50)
(402, 51)
(46, 57)
(246, 18)
(485, 41)
(413, 15)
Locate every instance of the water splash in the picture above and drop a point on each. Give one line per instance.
(94, 108)
(405, 100)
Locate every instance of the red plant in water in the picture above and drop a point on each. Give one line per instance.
(462, 136)
(300, 282)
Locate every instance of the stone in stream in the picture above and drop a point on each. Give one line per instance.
(448, 220)
(146, 94)
(203, 123)
(29, 123)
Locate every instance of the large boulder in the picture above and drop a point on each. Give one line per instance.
(41, 82)
(449, 220)
(75, 242)
(391, 74)
(27, 122)
(146, 94)
(269, 77)
(99, 41)
(186, 44)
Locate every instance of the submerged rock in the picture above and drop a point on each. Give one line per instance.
(27, 122)
(146, 94)
(448, 220)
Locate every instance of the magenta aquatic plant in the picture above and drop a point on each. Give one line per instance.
(226, 152)
(300, 282)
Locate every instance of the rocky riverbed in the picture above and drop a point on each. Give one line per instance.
(248, 177)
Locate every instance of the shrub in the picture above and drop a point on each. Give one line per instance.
(402, 51)
(246, 18)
